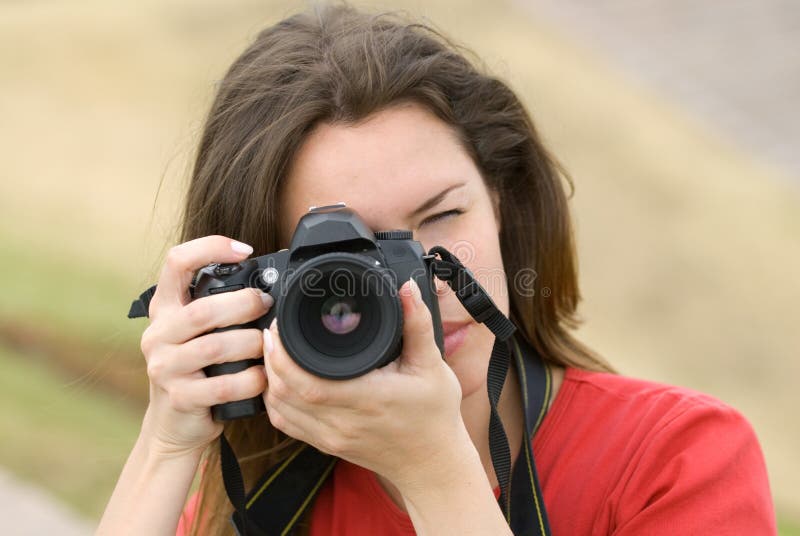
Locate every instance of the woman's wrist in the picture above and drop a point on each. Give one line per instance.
(454, 493)
(157, 448)
(151, 491)
(442, 467)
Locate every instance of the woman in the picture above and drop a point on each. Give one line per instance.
(388, 116)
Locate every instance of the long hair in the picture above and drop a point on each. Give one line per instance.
(338, 64)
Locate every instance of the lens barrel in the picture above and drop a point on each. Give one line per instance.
(340, 315)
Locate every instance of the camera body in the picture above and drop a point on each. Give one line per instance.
(335, 290)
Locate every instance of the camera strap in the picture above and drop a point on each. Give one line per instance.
(521, 498)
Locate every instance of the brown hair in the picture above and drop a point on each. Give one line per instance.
(338, 64)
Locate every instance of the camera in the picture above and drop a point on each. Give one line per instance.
(335, 291)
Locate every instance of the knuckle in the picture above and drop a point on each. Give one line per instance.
(178, 399)
(198, 313)
(278, 390)
(276, 418)
(270, 400)
(278, 421)
(155, 368)
(335, 445)
(424, 317)
(218, 240)
(423, 325)
(210, 347)
(222, 389)
(277, 364)
(254, 300)
(147, 342)
(375, 407)
(175, 259)
(325, 449)
(255, 341)
(313, 394)
(348, 431)
(257, 382)
(152, 308)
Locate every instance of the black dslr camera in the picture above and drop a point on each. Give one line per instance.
(335, 290)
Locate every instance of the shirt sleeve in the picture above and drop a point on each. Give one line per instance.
(188, 515)
(701, 472)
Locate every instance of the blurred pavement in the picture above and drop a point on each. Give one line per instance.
(27, 511)
(735, 63)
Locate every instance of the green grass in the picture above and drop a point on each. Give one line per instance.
(66, 296)
(788, 529)
(61, 436)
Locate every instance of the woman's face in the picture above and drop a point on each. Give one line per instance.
(403, 168)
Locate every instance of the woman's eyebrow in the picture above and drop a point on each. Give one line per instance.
(435, 200)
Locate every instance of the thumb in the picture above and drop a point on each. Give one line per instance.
(419, 346)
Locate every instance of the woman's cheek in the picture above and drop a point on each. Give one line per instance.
(472, 360)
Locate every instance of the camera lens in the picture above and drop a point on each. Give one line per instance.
(340, 316)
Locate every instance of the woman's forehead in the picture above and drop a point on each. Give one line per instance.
(384, 167)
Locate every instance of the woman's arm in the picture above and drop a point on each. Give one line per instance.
(177, 345)
(151, 491)
(455, 496)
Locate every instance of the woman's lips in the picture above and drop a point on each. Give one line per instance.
(454, 335)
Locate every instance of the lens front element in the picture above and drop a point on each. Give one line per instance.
(340, 314)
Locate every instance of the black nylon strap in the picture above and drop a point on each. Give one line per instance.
(281, 496)
(528, 514)
(141, 306)
(233, 480)
(498, 440)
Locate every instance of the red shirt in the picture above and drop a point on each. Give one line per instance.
(615, 455)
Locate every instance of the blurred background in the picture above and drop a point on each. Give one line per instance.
(678, 121)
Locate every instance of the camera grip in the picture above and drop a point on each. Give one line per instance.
(238, 409)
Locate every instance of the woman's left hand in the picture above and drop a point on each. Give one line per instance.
(402, 421)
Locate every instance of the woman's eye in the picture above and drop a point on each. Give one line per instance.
(441, 216)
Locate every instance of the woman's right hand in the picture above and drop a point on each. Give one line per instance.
(177, 345)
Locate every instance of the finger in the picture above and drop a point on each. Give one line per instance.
(184, 260)
(214, 348)
(298, 385)
(419, 345)
(280, 422)
(215, 311)
(296, 423)
(195, 394)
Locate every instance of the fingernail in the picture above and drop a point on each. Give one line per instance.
(268, 341)
(415, 292)
(266, 299)
(272, 324)
(241, 247)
